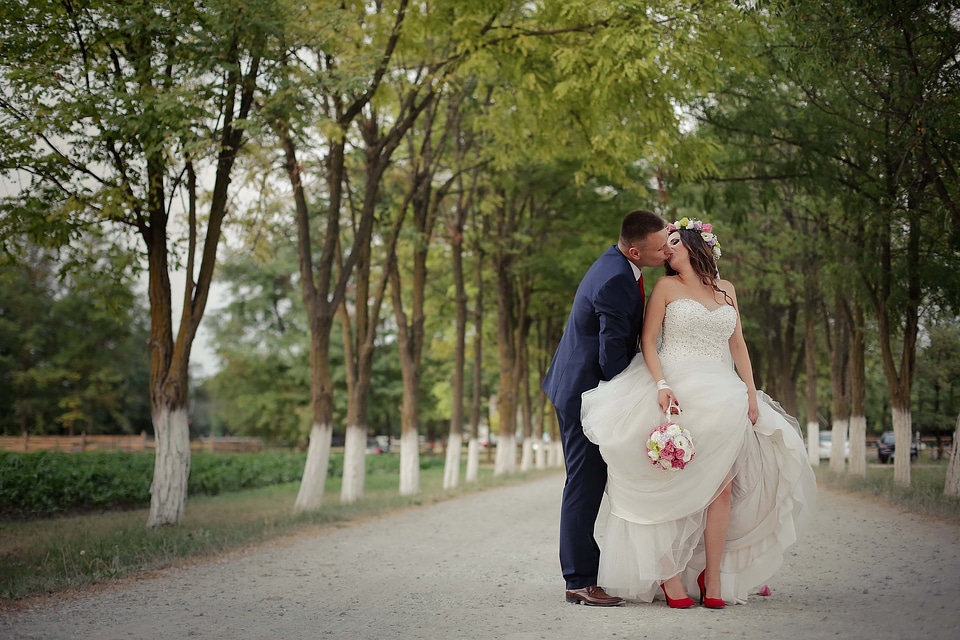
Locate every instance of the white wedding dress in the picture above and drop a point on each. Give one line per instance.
(657, 517)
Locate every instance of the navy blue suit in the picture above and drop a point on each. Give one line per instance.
(600, 339)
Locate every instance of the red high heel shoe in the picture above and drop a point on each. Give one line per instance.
(679, 603)
(709, 603)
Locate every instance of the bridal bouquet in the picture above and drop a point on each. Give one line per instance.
(670, 446)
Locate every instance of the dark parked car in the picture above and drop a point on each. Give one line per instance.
(887, 444)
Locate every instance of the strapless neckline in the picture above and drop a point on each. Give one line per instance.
(705, 307)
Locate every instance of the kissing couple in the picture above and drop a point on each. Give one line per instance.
(707, 477)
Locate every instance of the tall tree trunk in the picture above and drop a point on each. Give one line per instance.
(858, 393)
(899, 379)
(168, 397)
(476, 402)
(839, 366)
(451, 467)
(359, 333)
(168, 491)
(320, 314)
(782, 325)
(952, 485)
(409, 342)
(507, 384)
(810, 358)
(366, 317)
(170, 360)
(544, 433)
(523, 377)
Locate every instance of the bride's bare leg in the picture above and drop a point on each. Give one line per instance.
(715, 538)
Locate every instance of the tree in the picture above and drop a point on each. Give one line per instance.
(342, 82)
(883, 74)
(71, 348)
(113, 115)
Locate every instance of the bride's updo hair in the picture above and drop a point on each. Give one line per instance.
(701, 259)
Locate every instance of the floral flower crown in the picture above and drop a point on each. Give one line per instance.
(705, 229)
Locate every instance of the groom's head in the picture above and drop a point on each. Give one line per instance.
(643, 238)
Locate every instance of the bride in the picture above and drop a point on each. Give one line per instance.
(720, 525)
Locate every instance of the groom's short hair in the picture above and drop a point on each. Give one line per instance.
(637, 225)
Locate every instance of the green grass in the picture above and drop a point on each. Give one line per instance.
(56, 554)
(923, 496)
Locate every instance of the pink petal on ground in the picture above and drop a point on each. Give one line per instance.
(764, 590)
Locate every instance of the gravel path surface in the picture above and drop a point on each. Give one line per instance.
(485, 566)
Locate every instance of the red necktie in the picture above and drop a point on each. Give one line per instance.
(643, 298)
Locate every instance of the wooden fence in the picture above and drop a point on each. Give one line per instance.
(142, 442)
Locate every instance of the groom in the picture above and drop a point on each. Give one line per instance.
(600, 339)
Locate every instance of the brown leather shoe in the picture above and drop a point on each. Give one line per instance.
(593, 596)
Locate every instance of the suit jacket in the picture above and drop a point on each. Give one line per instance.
(601, 334)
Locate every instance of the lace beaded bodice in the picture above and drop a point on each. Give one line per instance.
(690, 330)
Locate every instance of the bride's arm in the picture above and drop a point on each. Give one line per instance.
(741, 358)
(652, 321)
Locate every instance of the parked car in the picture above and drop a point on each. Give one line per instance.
(826, 442)
(887, 445)
(375, 447)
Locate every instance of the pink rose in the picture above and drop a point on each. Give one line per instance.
(707, 228)
(764, 590)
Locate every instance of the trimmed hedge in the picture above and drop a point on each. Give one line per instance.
(48, 483)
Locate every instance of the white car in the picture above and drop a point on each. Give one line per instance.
(826, 442)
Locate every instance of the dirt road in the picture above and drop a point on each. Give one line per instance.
(485, 566)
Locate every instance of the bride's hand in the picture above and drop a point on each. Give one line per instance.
(665, 398)
(753, 411)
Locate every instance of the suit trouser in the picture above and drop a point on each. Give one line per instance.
(582, 494)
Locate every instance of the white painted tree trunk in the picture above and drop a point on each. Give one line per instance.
(171, 467)
(858, 446)
(555, 454)
(506, 459)
(839, 439)
(473, 460)
(354, 464)
(952, 485)
(526, 455)
(310, 495)
(451, 466)
(813, 443)
(541, 457)
(903, 432)
(409, 463)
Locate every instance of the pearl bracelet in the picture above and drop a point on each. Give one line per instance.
(662, 384)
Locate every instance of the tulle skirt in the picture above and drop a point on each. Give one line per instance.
(657, 517)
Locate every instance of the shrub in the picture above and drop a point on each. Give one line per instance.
(46, 483)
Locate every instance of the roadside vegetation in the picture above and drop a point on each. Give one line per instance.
(924, 496)
(55, 554)
(51, 483)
